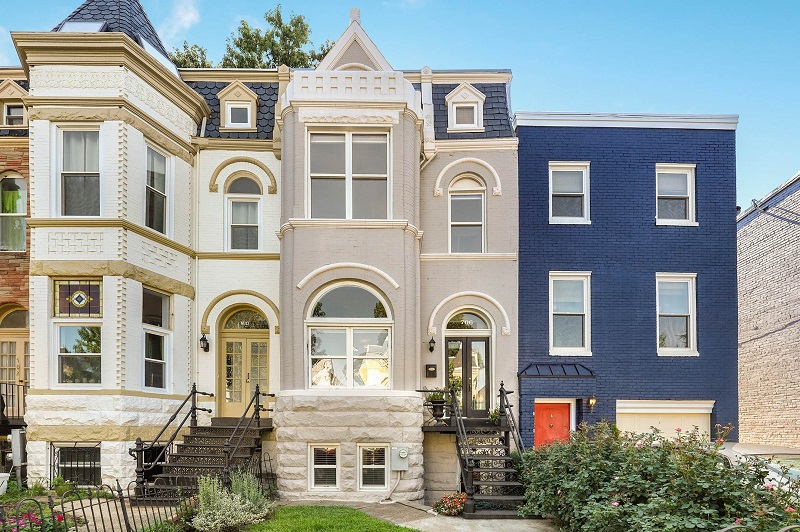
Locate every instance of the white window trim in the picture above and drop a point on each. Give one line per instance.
(586, 277)
(349, 170)
(168, 192)
(577, 166)
(23, 215)
(465, 95)
(472, 126)
(166, 333)
(252, 198)
(311, 466)
(5, 115)
(689, 169)
(59, 165)
(229, 124)
(67, 322)
(466, 192)
(691, 280)
(387, 455)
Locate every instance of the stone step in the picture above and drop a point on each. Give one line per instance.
(509, 483)
(492, 514)
(266, 422)
(253, 432)
(494, 470)
(499, 498)
(201, 459)
(219, 439)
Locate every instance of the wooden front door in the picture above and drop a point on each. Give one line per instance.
(550, 423)
(244, 363)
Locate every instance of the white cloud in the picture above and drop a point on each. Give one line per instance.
(7, 55)
(183, 16)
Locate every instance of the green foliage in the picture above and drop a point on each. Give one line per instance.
(434, 395)
(89, 341)
(164, 526)
(451, 504)
(328, 518)
(602, 480)
(193, 56)
(221, 510)
(282, 43)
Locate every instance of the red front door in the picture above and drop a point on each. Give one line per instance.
(550, 423)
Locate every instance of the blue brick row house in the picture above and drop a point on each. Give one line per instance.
(627, 262)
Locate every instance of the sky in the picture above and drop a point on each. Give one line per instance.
(657, 56)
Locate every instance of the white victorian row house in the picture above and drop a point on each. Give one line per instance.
(341, 237)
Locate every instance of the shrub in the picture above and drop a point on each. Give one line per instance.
(221, 510)
(602, 480)
(452, 504)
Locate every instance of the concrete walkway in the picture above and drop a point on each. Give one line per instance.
(419, 517)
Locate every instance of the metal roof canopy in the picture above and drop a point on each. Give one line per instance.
(556, 371)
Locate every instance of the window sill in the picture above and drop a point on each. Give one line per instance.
(247, 129)
(570, 221)
(577, 353)
(678, 353)
(683, 223)
(18, 251)
(467, 129)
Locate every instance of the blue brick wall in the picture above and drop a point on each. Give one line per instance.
(623, 248)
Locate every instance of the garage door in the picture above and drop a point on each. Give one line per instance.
(639, 416)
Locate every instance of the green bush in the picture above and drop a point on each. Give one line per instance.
(222, 510)
(602, 480)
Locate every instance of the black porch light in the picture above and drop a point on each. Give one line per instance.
(204, 343)
(431, 345)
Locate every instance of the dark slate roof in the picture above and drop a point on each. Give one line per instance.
(23, 83)
(265, 116)
(123, 16)
(496, 112)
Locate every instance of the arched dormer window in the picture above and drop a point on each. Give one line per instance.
(467, 215)
(349, 331)
(243, 206)
(13, 208)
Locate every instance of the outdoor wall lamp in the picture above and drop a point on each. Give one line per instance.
(204, 343)
(431, 345)
(592, 403)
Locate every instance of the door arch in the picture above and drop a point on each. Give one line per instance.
(468, 340)
(242, 359)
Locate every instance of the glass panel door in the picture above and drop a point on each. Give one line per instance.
(468, 372)
(455, 370)
(245, 363)
(259, 366)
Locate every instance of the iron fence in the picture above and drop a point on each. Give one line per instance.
(12, 402)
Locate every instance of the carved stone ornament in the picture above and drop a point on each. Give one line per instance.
(348, 116)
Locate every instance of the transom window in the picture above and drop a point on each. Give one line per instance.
(244, 215)
(13, 207)
(349, 339)
(569, 193)
(16, 319)
(467, 216)
(677, 323)
(156, 324)
(14, 115)
(349, 174)
(468, 321)
(156, 200)
(80, 173)
(570, 319)
(675, 201)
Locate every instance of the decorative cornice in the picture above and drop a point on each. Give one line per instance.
(14, 142)
(229, 255)
(456, 77)
(112, 222)
(656, 121)
(257, 75)
(15, 73)
(208, 143)
(116, 268)
(511, 143)
(466, 257)
(108, 49)
(294, 223)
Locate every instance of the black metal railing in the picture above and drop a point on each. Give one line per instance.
(230, 448)
(465, 460)
(75, 463)
(508, 412)
(152, 454)
(12, 402)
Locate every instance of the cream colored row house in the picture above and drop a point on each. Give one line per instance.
(340, 237)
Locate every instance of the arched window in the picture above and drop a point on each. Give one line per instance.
(16, 319)
(467, 215)
(349, 331)
(13, 207)
(243, 215)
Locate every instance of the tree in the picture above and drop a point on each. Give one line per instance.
(193, 56)
(281, 44)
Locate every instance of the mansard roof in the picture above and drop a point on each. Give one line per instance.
(496, 111)
(121, 16)
(265, 114)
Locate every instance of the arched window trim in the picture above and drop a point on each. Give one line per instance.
(454, 192)
(233, 198)
(17, 214)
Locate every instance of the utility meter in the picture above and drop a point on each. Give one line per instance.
(402, 453)
(399, 458)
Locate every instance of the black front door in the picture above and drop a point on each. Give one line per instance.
(468, 372)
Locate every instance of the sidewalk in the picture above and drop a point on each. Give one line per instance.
(417, 517)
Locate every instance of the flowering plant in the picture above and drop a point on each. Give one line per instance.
(452, 504)
(494, 415)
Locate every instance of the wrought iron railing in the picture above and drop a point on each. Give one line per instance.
(77, 463)
(465, 460)
(12, 401)
(234, 441)
(146, 457)
(508, 412)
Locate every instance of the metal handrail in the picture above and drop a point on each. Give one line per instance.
(462, 447)
(255, 403)
(505, 407)
(137, 452)
(12, 401)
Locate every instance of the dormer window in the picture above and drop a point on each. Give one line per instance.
(239, 105)
(238, 115)
(14, 115)
(465, 109)
(13, 111)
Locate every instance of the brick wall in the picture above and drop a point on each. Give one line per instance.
(769, 321)
(623, 248)
(14, 266)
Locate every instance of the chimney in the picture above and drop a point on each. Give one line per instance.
(355, 15)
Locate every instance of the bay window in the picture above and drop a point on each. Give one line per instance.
(156, 191)
(80, 173)
(156, 325)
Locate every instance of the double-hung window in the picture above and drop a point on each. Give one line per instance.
(324, 466)
(14, 115)
(156, 191)
(349, 175)
(467, 216)
(373, 464)
(156, 324)
(13, 206)
(570, 313)
(569, 193)
(80, 173)
(78, 305)
(675, 194)
(677, 315)
(244, 215)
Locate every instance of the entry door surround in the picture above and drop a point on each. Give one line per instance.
(242, 361)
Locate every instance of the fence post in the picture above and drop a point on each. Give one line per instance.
(139, 450)
(193, 419)
(121, 497)
(258, 406)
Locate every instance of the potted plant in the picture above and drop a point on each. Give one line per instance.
(437, 400)
(494, 415)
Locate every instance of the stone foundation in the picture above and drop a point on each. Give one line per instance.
(441, 466)
(345, 420)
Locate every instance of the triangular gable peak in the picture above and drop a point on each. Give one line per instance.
(466, 93)
(355, 50)
(10, 90)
